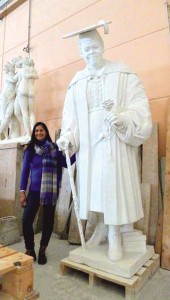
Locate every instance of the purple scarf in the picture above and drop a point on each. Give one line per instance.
(48, 192)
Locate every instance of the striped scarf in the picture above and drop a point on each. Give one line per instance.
(48, 192)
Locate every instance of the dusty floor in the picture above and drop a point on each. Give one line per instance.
(53, 286)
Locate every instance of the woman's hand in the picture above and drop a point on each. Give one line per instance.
(22, 198)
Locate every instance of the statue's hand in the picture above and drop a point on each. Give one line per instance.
(63, 143)
(114, 119)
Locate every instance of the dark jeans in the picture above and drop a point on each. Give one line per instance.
(30, 210)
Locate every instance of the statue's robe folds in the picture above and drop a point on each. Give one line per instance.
(107, 168)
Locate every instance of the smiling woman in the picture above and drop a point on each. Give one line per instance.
(40, 133)
(43, 162)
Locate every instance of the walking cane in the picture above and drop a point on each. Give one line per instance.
(75, 199)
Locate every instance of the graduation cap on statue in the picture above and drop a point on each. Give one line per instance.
(101, 23)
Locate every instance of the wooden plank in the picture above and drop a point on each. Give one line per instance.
(160, 196)
(165, 261)
(73, 235)
(6, 267)
(90, 225)
(156, 259)
(25, 262)
(153, 264)
(162, 175)
(159, 232)
(132, 292)
(5, 251)
(150, 175)
(143, 224)
(63, 211)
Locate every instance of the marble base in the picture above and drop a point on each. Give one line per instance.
(98, 258)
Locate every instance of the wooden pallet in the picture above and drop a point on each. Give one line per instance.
(16, 272)
(132, 285)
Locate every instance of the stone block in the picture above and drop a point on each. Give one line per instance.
(9, 231)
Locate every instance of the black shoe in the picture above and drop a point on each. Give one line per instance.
(31, 253)
(42, 259)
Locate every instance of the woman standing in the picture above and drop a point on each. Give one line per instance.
(43, 162)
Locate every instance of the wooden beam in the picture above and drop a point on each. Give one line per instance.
(165, 262)
(150, 175)
(11, 7)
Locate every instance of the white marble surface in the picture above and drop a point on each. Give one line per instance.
(23, 140)
(134, 241)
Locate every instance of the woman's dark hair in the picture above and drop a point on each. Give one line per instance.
(33, 140)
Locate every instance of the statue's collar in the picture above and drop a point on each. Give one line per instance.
(109, 67)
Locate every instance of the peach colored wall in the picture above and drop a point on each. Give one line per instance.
(139, 36)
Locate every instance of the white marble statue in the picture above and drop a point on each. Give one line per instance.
(26, 94)
(17, 101)
(17, 61)
(106, 117)
(7, 98)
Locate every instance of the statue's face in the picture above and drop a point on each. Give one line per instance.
(92, 51)
(6, 68)
(18, 62)
(12, 68)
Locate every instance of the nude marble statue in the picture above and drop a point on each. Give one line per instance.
(18, 63)
(17, 100)
(106, 117)
(7, 97)
(26, 94)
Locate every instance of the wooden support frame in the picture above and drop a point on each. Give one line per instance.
(16, 270)
(132, 286)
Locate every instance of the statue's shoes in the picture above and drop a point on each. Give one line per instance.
(99, 236)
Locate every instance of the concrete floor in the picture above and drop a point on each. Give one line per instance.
(74, 286)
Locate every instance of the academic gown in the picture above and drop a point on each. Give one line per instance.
(107, 168)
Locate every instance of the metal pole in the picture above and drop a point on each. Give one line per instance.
(29, 26)
(75, 199)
